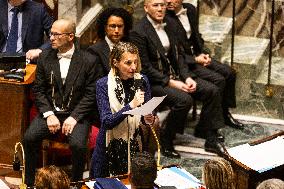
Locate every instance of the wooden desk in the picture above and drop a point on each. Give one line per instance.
(248, 178)
(14, 106)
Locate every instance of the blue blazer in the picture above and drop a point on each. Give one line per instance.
(35, 23)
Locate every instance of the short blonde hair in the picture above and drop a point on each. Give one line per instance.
(117, 52)
(218, 174)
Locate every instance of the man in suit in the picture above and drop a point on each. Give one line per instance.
(200, 62)
(112, 25)
(64, 91)
(23, 24)
(164, 64)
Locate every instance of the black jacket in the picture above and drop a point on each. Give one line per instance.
(155, 63)
(78, 90)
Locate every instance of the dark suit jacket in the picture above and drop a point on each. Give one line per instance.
(155, 62)
(36, 22)
(101, 51)
(80, 85)
(195, 39)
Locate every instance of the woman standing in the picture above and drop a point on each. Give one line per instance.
(123, 89)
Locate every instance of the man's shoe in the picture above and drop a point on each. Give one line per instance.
(170, 153)
(203, 134)
(231, 122)
(214, 147)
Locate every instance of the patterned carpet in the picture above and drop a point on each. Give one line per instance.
(192, 150)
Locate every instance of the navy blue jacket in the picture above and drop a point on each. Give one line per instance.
(35, 23)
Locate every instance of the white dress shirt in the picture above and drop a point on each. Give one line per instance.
(110, 43)
(20, 21)
(64, 63)
(182, 16)
(160, 30)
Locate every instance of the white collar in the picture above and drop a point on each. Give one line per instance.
(110, 43)
(155, 24)
(182, 11)
(67, 54)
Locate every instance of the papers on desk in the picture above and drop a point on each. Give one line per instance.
(261, 157)
(146, 108)
(3, 185)
(178, 177)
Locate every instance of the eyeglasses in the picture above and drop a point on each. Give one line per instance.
(114, 26)
(56, 35)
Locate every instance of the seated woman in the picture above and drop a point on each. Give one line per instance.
(123, 89)
(218, 174)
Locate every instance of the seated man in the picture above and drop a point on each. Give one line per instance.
(22, 25)
(164, 64)
(143, 171)
(51, 177)
(64, 91)
(200, 62)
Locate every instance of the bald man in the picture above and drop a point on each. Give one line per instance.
(64, 89)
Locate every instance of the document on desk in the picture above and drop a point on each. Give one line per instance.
(3, 185)
(178, 177)
(260, 157)
(146, 108)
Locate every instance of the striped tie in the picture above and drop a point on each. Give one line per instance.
(13, 35)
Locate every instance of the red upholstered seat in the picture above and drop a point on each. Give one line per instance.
(58, 147)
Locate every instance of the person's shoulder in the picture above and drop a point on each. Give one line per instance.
(102, 81)
(85, 56)
(138, 27)
(96, 47)
(47, 52)
(145, 78)
(189, 6)
(34, 5)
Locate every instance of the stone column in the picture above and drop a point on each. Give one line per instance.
(71, 9)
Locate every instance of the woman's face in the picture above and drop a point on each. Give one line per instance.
(114, 28)
(127, 65)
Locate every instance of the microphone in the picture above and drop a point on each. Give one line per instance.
(139, 84)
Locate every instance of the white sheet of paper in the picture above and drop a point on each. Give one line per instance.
(177, 177)
(146, 108)
(3, 185)
(90, 184)
(261, 157)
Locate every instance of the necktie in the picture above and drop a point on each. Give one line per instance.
(13, 35)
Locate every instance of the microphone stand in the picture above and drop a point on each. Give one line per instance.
(22, 185)
(159, 167)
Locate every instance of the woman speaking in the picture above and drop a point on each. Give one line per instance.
(120, 135)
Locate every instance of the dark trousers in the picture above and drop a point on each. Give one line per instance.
(211, 116)
(218, 81)
(223, 77)
(179, 103)
(38, 131)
